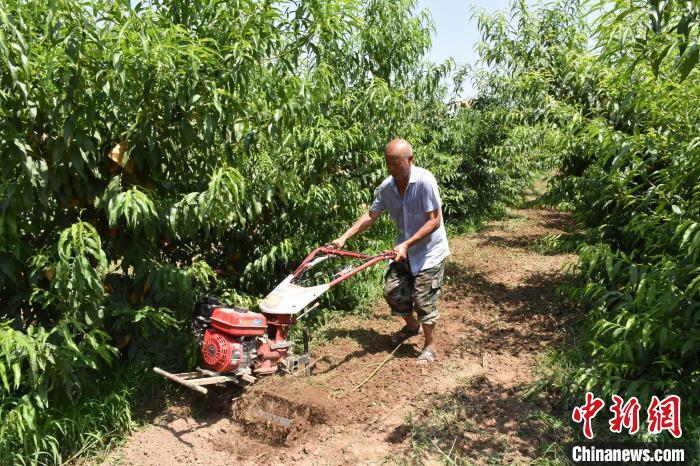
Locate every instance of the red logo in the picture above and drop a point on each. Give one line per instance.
(587, 412)
(625, 415)
(665, 415)
(661, 415)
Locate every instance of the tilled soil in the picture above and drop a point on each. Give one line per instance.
(499, 312)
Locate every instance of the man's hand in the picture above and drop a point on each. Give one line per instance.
(432, 223)
(401, 252)
(361, 224)
(338, 243)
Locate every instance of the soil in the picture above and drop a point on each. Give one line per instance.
(499, 314)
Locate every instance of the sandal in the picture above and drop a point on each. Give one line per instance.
(404, 334)
(427, 356)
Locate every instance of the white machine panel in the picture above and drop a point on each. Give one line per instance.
(288, 298)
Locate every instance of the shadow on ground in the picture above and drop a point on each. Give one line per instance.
(371, 342)
(479, 420)
(513, 309)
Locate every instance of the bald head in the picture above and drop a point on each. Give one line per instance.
(398, 147)
(398, 155)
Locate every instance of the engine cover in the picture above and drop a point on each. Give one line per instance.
(222, 352)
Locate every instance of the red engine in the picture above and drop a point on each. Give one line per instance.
(234, 338)
(221, 352)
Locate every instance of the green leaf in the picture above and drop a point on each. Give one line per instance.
(238, 128)
(689, 60)
(609, 267)
(656, 62)
(68, 129)
(3, 376)
(17, 372)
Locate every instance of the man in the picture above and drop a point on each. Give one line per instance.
(414, 278)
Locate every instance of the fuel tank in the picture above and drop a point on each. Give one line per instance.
(235, 322)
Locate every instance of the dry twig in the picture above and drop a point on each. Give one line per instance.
(391, 355)
(447, 457)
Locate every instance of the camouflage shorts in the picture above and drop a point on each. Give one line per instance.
(406, 293)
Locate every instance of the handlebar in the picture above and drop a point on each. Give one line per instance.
(329, 251)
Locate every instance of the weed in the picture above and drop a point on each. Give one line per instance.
(552, 454)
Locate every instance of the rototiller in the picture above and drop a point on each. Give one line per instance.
(238, 346)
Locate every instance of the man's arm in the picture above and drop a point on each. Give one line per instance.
(361, 224)
(432, 223)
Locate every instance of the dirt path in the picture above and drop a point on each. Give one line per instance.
(499, 313)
